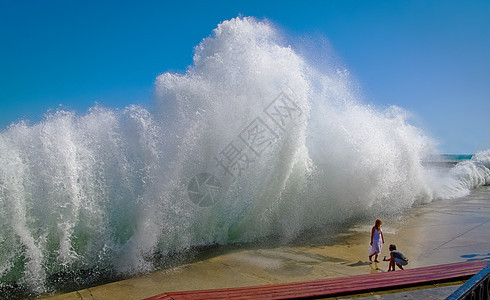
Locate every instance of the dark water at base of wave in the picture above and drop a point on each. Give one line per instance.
(70, 281)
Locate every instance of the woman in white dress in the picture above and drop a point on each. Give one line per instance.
(377, 240)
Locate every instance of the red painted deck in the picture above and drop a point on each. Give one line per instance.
(337, 286)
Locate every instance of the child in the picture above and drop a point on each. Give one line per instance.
(377, 240)
(396, 257)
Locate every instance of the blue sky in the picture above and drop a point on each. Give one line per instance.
(431, 58)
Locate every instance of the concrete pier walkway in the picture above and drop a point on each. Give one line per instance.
(437, 233)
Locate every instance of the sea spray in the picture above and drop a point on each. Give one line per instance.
(252, 141)
(465, 176)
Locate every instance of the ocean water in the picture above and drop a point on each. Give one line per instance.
(251, 142)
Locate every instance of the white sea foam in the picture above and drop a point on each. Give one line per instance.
(465, 176)
(287, 147)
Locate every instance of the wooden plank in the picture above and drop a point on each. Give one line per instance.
(306, 289)
(337, 286)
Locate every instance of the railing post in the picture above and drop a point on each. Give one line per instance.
(476, 288)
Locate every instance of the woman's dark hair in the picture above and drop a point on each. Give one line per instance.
(392, 247)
